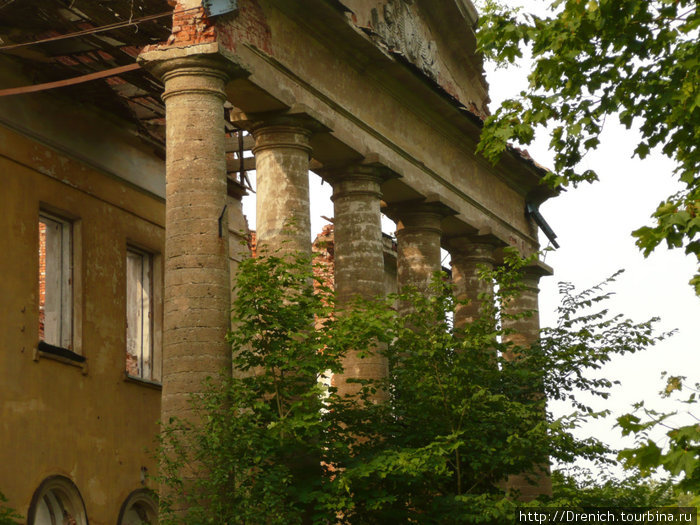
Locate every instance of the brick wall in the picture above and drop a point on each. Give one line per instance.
(324, 257)
(191, 26)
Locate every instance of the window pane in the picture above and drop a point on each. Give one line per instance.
(139, 509)
(138, 314)
(55, 295)
(57, 503)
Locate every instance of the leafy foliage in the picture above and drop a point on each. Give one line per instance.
(637, 59)
(584, 489)
(275, 446)
(680, 456)
(263, 428)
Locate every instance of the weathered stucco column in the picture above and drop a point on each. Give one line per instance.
(359, 257)
(282, 154)
(526, 331)
(197, 295)
(468, 253)
(418, 236)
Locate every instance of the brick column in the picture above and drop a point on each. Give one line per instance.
(418, 236)
(282, 154)
(197, 295)
(468, 254)
(526, 331)
(359, 256)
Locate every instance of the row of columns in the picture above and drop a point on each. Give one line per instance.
(197, 279)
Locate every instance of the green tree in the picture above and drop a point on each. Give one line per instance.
(679, 456)
(637, 59)
(275, 447)
(583, 488)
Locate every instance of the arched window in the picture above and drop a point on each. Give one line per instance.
(139, 508)
(57, 501)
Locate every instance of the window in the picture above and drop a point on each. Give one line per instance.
(139, 314)
(55, 281)
(57, 502)
(139, 508)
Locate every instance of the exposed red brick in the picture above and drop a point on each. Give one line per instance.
(253, 244)
(191, 26)
(324, 257)
(323, 254)
(42, 277)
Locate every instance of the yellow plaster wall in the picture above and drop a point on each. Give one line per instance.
(92, 427)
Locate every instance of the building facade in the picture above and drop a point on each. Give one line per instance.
(127, 132)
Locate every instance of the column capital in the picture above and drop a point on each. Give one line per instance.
(532, 273)
(372, 166)
(358, 171)
(282, 153)
(424, 214)
(202, 60)
(477, 247)
(364, 177)
(298, 116)
(537, 269)
(292, 128)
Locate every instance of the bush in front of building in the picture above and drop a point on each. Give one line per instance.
(463, 410)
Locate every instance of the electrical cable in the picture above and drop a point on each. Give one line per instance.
(100, 29)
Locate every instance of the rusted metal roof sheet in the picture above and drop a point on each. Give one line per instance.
(58, 40)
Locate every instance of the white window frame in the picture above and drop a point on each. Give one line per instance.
(58, 281)
(140, 313)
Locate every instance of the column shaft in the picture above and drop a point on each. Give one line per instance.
(283, 220)
(359, 260)
(418, 237)
(197, 300)
(526, 331)
(467, 258)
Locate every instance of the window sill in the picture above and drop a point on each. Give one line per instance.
(143, 382)
(62, 355)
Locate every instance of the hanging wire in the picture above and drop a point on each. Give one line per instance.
(92, 30)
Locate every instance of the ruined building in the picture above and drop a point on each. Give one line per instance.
(122, 168)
